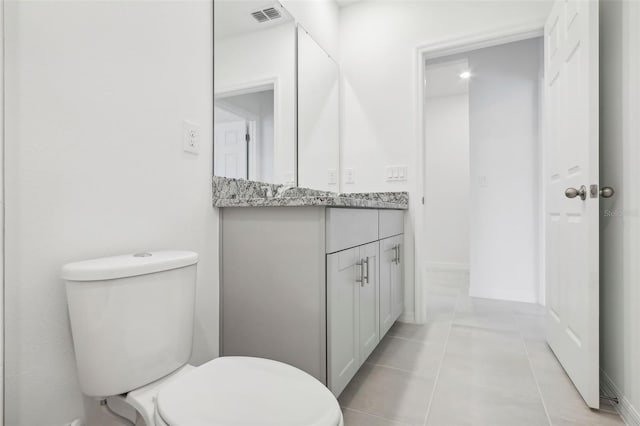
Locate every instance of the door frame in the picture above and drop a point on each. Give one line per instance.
(2, 208)
(445, 47)
(631, 181)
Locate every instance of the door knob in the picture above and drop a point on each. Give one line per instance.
(573, 193)
(607, 192)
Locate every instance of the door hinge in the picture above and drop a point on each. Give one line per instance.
(422, 200)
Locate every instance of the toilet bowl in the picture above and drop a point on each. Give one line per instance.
(132, 325)
(246, 391)
(237, 391)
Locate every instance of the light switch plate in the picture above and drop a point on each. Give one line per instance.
(396, 173)
(190, 137)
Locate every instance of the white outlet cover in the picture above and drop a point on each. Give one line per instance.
(332, 176)
(190, 137)
(349, 175)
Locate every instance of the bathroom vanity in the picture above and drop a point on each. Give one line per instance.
(310, 278)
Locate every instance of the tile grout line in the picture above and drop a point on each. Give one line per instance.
(355, 410)
(424, 342)
(444, 352)
(390, 367)
(535, 379)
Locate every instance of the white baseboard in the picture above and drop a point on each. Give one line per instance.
(629, 414)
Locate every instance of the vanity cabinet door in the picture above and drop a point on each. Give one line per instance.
(369, 309)
(343, 317)
(397, 279)
(387, 270)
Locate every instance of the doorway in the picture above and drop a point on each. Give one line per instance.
(482, 231)
(568, 191)
(244, 135)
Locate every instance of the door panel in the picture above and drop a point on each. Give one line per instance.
(571, 161)
(391, 282)
(368, 288)
(342, 317)
(397, 281)
(231, 149)
(387, 254)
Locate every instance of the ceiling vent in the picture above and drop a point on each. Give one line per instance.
(265, 15)
(272, 13)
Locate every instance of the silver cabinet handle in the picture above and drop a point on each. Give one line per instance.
(361, 279)
(607, 192)
(573, 193)
(396, 254)
(367, 276)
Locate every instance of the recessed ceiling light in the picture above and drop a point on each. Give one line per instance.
(465, 74)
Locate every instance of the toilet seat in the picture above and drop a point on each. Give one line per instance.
(244, 391)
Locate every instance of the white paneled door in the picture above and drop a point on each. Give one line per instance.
(231, 149)
(571, 191)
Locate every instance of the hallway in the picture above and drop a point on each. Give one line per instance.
(476, 362)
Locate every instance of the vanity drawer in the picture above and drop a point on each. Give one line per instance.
(391, 222)
(347, 228)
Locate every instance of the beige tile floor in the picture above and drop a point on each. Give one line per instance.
(476, 362)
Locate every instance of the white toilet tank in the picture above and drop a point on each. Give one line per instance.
(131, 318)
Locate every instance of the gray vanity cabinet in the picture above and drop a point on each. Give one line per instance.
(387, 261)
(306, 285)
(343, 317)
(397, 279)
(352, 312)
(368, 315)
(391, 282)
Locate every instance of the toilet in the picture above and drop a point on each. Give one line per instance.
(132, 319)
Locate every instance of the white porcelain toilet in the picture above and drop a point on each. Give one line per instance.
(132, 324)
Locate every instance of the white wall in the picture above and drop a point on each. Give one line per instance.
(620, 215)
(379, 90)
(96, 93)
(320, 18)
(504, 126)
(447, 177)
(266, 143)
(252, 59)
(318, 116)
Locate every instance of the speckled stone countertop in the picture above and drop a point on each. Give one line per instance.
(245, 193)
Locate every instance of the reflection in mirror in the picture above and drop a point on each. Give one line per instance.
(254, 91)
(243, 136)
(318, 116)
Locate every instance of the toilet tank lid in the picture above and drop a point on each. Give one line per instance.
(128, 265)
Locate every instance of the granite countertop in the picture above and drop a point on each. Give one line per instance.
(229, 192)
